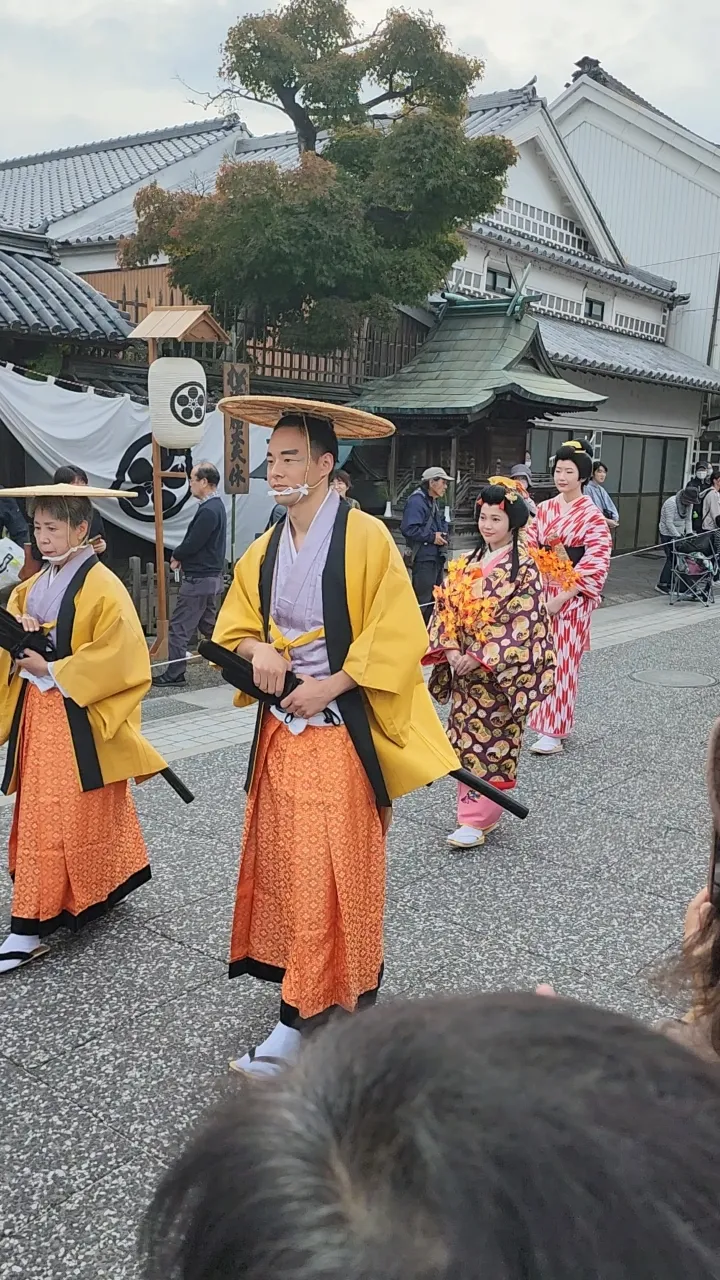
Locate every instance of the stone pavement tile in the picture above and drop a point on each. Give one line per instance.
(112, 972)
(164, 709)
(90, 1236)
(676, 798)
(50, 1146)
(491, 965)
(202, 925)
(564, 915)
(153, 1077)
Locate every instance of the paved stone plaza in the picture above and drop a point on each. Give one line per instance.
(112, 1046)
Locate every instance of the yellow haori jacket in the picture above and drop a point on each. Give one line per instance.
(374, 632)
(103, 668)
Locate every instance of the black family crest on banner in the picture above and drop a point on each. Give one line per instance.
(134, 471)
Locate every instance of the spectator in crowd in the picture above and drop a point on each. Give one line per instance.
(342, 484)
(426, 533)
(13, 525)
(711, 505)
(700, 1028)
(201, 557)
(676, 521)
(500, 1137)
(595, 489)
(700, 480)
(522, 473)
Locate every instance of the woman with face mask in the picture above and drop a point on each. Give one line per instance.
(71, 718)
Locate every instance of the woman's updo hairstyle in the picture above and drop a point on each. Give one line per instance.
(579, 452)
(505, 494)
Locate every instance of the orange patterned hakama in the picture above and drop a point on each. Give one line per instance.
(311, 890)
(73, 854)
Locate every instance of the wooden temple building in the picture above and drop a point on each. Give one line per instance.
(469, 399)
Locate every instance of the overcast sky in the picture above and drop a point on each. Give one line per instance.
(74, 71)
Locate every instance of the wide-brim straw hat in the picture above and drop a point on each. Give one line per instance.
(65, 491)
(348, 423)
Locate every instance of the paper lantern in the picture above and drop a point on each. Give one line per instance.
(177, 391)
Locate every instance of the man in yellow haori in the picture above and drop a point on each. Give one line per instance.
(325, 593)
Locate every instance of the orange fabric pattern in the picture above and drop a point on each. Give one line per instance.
(70, 851)
(311, 890)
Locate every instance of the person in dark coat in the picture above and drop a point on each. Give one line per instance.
(426, 533)
(201, 555)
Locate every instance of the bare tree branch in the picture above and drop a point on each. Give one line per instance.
(223, 95)
(392, 95)
(355, 44)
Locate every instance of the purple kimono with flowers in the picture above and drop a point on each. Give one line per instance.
(489, 706)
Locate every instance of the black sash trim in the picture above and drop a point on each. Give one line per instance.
(13, 739)
(267, 571)
(338, 638)
(66, 920)
(91, 778)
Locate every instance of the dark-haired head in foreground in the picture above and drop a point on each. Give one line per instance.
(493, 1138)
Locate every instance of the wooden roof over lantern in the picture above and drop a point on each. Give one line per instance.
(183, 324)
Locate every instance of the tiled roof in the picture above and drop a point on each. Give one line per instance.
(493, 113)
(281, 148)
(477, 354)
(489, 113)
(578, 346)
(39, 297)
(640, 282)
(591, 68)
(35, 190)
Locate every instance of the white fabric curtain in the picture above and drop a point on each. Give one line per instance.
(109, 437)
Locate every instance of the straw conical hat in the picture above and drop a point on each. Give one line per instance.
(348, 423)
(65, 491)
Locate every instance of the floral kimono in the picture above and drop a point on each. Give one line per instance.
(502, 623)
(582, 530)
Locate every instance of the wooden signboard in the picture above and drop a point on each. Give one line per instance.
(237, 456)
(236, 382)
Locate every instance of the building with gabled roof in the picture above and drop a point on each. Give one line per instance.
(608, 316)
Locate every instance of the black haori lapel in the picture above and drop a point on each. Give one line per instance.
(91, 778)
(267, 573)
(83, 745)
(338, 638)
(13, 739)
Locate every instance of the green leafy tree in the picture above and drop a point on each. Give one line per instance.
(386, 177)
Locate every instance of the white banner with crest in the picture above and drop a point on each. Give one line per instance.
(109, 437)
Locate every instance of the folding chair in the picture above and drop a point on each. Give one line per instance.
(691, 575)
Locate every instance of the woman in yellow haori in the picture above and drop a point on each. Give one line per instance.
(73, 731)
(326, 593)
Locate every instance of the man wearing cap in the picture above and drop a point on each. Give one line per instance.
(425, 532)
(523, 475)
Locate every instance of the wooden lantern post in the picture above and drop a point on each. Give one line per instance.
(182, 324)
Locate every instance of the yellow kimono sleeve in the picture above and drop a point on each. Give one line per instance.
(110, 673)
(240, 617)
(384, 657)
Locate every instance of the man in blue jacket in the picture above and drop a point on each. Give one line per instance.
(425, 531)
(201, 556)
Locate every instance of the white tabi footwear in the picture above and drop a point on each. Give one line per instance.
(466, 838)
(547, 746)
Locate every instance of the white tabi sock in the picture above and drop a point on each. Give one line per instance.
(17, 942)
(283, 1042)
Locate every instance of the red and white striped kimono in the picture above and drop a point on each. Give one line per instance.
(576, 524)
